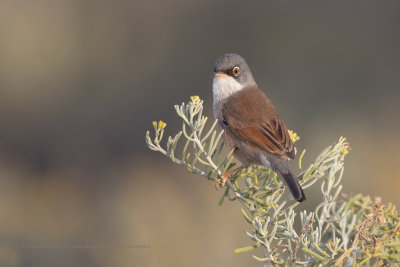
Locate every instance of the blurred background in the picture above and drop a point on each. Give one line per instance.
(81, 82)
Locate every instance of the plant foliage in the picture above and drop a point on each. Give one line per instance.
(343, 230)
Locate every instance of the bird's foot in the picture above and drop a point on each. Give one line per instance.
(221, 181)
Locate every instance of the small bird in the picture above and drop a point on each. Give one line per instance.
(251, 123)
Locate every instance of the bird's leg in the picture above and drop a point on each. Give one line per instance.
(222, 181)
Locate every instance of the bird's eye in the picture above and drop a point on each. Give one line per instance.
(235, 71)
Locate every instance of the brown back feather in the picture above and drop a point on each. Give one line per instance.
(252, 117)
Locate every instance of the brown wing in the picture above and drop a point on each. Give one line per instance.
(250, 116)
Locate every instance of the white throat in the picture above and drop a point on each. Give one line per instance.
(223, 87)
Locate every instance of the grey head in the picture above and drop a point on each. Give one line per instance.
(236, 67)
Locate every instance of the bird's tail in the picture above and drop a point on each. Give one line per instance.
(293, 185)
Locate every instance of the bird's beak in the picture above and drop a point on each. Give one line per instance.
(220, 74)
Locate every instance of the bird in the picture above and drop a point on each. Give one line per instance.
(251, 124)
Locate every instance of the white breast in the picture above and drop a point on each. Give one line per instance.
(223, 87)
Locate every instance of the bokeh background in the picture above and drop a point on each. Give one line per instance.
(81, 82)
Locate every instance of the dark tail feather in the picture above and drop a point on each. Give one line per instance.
(293, 186)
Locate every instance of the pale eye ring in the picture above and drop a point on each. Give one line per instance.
(235, 71)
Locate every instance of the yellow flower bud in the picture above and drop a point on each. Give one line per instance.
(161, 125)
(195, 99)
(346, 149)
(293, 136)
